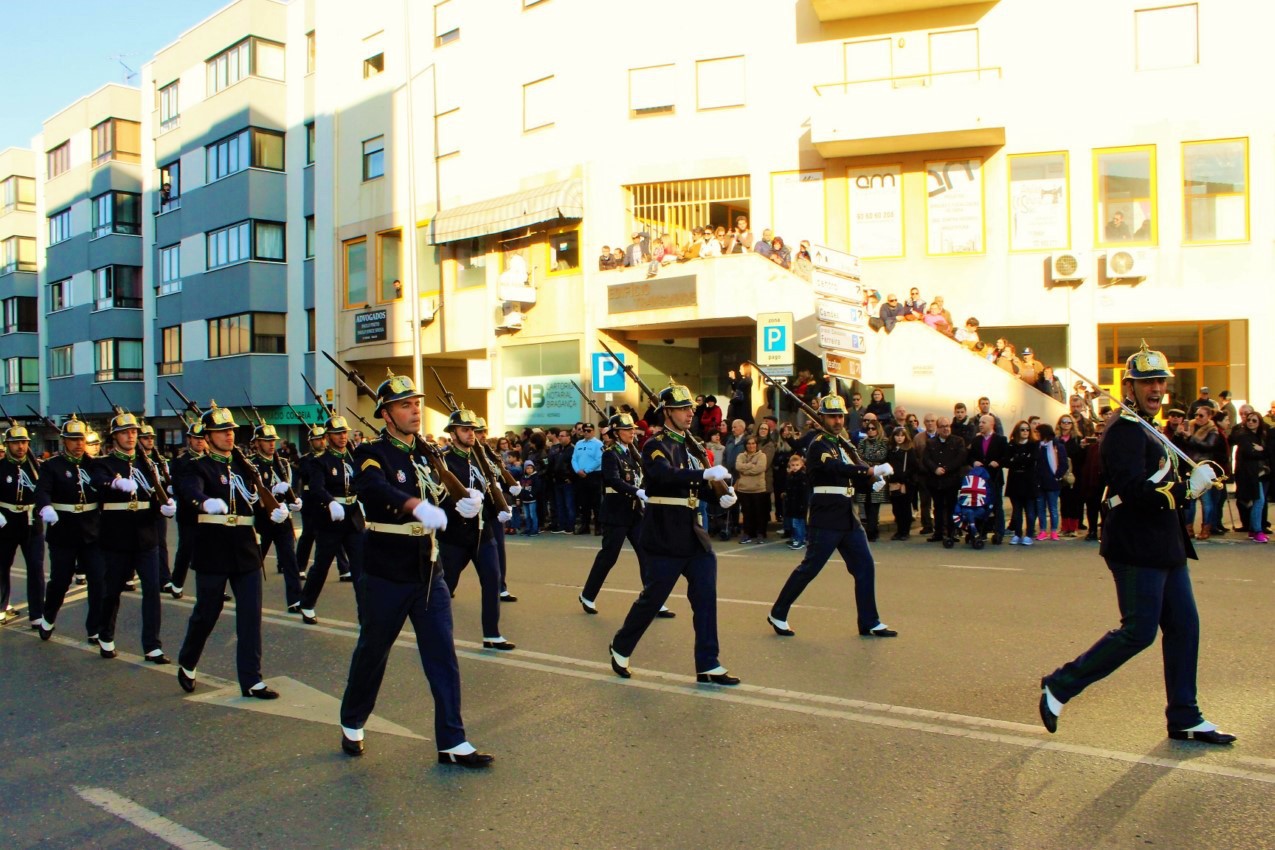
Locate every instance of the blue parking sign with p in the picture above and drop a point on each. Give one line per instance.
(775, 338)
(608, 376)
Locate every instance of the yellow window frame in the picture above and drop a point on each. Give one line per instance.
(546, 251)
(982, 207)
(345, 280)
(1154, 200)
(1186, 208)
(903, 206)
(380, 234)
(1009, 190)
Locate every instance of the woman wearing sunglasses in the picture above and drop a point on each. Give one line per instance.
(1252, 472)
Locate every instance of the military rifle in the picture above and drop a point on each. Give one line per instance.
(486, 457)
(291, 494)
(813, 415)
(44, 420)
(151, 466)
(593, 404)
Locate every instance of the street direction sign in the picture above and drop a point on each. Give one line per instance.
(608, 376)
(840, 314)
(831, 336)
(841, 365)
(836, 286)
(774, 339)
(833, 260)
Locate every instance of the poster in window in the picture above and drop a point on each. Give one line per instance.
(954, 206)
(1038, 203)
(876, 211)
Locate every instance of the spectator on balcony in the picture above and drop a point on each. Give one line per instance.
(803, 266)
(670, 254)
(968, 335)
(1007, 359)
(762, 246)
(914, 307)
(780, 254)
(690, 248)
(617, 257)
(891, 312)
(1029, 368)
(879, 407)
(934, 319)
(1050, 385)
(636, 254)
(947, 317)
(709, 246)
(741, 238)
(606, 261)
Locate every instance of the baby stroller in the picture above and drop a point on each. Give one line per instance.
(973, 507)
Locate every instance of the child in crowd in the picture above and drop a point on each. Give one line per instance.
(797, 500)
(531, 488)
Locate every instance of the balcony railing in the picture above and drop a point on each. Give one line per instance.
(910, 81)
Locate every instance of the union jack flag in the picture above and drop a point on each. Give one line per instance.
(973, 492)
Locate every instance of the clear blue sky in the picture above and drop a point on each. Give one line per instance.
(55, 53)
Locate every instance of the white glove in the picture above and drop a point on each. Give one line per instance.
(470, 507)
(717, 473)
(49, 515)
(878, 485)
(280, 488)
(729, 499)
(882, 470)
(169, 489)
(295, 507)
(336, 510)
(430, 516)
(504, 517)
(124, 485)
(279, 514)
(3, 521)
(215, 506)
(515, 490)
(169, 508)
(641, 495)
(1202, 478)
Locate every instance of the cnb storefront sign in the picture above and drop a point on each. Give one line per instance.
(311, 414)
(370, 327)
(540, 400)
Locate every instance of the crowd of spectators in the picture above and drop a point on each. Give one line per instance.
(702, 242)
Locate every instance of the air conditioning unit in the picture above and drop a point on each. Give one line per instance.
(1068, 267)
(1127, 264)
(429, 309)
(511, 321)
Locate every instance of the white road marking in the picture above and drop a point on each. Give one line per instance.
(997, 569)
(146, 820)
(683, 596)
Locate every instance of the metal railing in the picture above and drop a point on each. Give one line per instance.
(908, 81)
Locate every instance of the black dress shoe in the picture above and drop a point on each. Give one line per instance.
(1213, 736)
(347, 577)
(187, 682)
(1091, 536)
(717, 679)
(308, 620)
(351, 748)
(933, 538)
(174, 592)
(45, 634)
(260, 693)
(508, 597)
(665, 614)
(622, 672)
(878, 631)
(92, 639)
(588, 609)
(159, 659)
(106, 653)
(502, 645)
(778, 630)
(294, 608)
(997, 540)
(474, 759)
(1047, 717)
(226, 597)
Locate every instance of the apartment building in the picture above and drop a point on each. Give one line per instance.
(19, 338)
(89, 209)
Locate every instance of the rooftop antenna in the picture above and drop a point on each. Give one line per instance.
(130, 76)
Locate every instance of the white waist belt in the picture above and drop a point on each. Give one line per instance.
(410, 529)
(226, 519)
(833, 491)
(139, 505)
(75, 509)
(688, 502)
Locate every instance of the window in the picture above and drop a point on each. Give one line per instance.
(356, 273)
(60, 361)
(374, 158)
(170, 270)
(537, 104)
(250, 57)
(374, 66)
(22, 375)
(651, 90)
(719, 83)
(309, 52)
(677, 206)
(1039, 202)
(17, 193)
(310, 330)
(58, 160)
(1167, 37)
(117, 286)
(247, 333)
(446, 126)
(117, 360)
(389, 250)
(60, 227)
(169, 111)
(564, 252)
(309, 143)
(251, 148)
(17, 254)
(170, 343)
(117, 139)
(1125, 195)
(116, 212)
(1215, 191)
(471, 263)
(247, 240)
(309, 237)
(446, 23)
(59, 295)
(19, 315)
(170, 186)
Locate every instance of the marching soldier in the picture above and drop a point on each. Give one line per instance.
(277, 476)
(309, 505)
(19, 529)
(226, 550)
(401, 495)
(472, 538)
(68, 504)
(1145, 545)
(674, 543)
(621, 513)
(340, 521)
(92, 448)
(146, 446)
(187, 511)
(131, 498)
(498, 531)
(833, 526)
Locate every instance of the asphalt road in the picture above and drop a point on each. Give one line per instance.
(927, 740)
